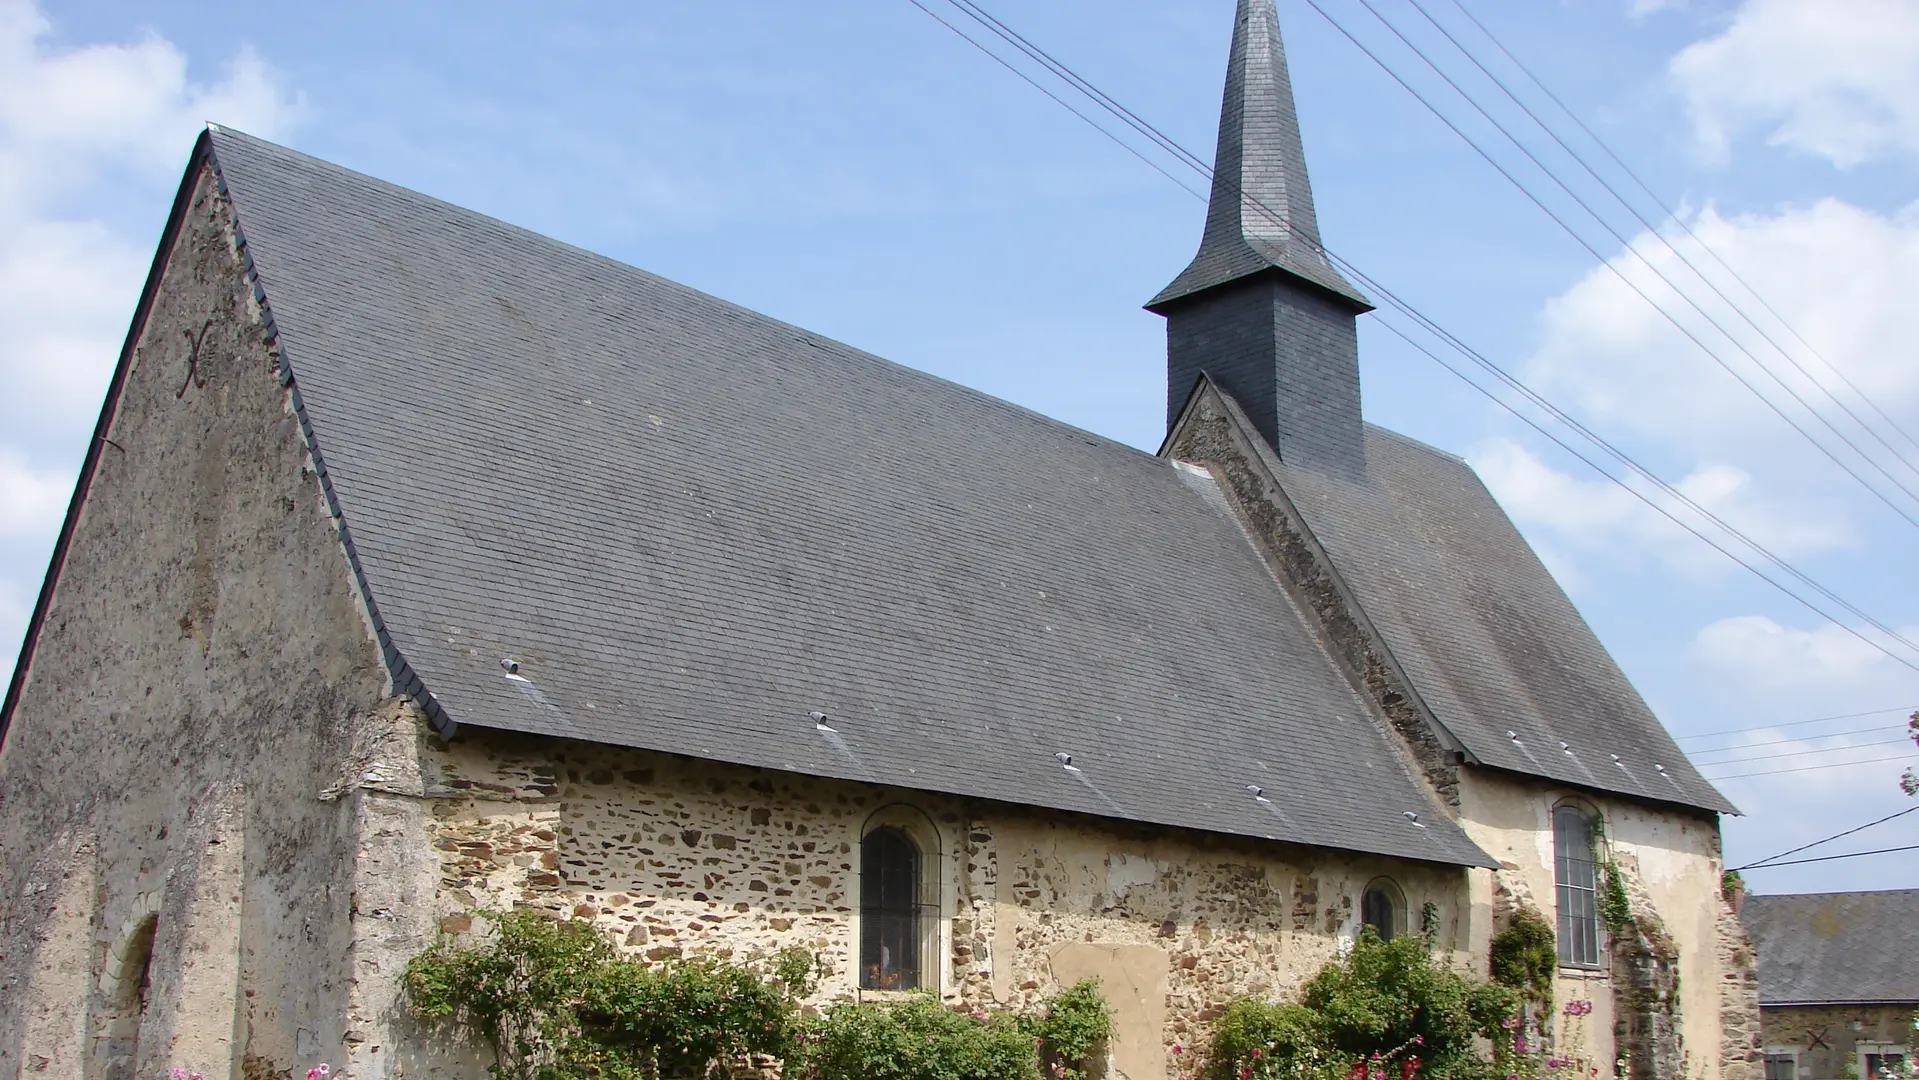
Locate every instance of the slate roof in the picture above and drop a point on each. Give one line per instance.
(1820, 948)
(1490, 642)
(694, 526)
(1260, 217)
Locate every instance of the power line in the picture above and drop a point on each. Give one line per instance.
(1629, 283)
(1691, 504)
(974, 11)
(1651, 230)
(1811, 768)
(1154, 165)
(1760, 743)
(1673, 216)
(1803, 753)
(1829, 839)
(1848, 855)
(1800, 723)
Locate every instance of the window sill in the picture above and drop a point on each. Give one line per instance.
(864, 994)
(1595, 974)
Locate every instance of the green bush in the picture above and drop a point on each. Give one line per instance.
(1076, 1024)
(1525, 956)
(557, 1001)
(1387, 1004)
(916, 1039)
(1266, 1039)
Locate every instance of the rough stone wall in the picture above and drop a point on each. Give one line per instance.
(1828, 1037)
(1742, 1042)
(204, 660)
(1214, 432)
(1647, 1007)
(673, 855)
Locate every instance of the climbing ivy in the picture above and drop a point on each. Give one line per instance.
(1525, 956)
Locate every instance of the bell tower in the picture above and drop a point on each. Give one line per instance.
(1261, 310)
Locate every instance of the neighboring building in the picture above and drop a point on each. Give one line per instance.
(1838, 981)
(422, 564)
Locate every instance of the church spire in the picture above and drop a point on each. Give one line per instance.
(1260, 217)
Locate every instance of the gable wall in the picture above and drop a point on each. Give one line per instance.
(199, 680)
(673, 855)
(1671, 855)
(1671, 864)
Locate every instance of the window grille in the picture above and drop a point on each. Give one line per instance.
(1376, 911)
(891, 912)
(1576, 889)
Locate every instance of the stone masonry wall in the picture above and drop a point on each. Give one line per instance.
(175, 877)
(1826, 1038)
(672, 856)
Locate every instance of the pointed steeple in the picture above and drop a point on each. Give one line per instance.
(1260, 216)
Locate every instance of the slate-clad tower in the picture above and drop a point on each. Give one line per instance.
(1260, 309)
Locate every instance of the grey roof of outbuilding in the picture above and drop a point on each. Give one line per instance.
(693, 526)
(1490, 642)
(1818, 948)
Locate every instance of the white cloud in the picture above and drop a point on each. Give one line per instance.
(88, 134)
(1763, 655)
(1841, 275)
(1591, 518)
(1837, 78)
(31, 502)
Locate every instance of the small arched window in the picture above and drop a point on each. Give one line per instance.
(1576, 883)
(890, 931)
(1380, 907)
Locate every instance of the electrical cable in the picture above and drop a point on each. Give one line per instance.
(1006, 33)
(1799, 753)
(1760, 743)
(1674, 216)
(1652, 231)
(1629, 283)
(1827, 840)
(1848, 855)
(1800, 723)
(1811, 768)
(1154, 165)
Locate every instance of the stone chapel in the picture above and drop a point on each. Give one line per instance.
(422, 565)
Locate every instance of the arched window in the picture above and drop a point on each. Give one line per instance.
(119, 1040)
(891, 939)
(1380, 907)
(1576, 885)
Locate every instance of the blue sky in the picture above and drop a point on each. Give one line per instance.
(856, 169)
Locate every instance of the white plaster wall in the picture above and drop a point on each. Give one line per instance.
(1675, 857)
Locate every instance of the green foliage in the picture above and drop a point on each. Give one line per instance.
(556, 1001)
(678, 1019)
(916, 1039)
(1525, 956)
(1388, 1003)
(1615, 909)
(1267, 1039)
(1390, 995)
(519, 995)
(1075, 1025)
(1732, 886)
